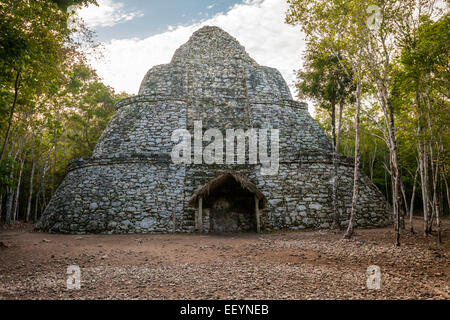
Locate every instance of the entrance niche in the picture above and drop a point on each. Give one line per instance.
(228, 203)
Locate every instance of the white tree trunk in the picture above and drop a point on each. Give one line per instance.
(30, 194)
(19, 182)
(351, 226)
(411, 206)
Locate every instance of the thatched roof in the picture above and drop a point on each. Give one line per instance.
(205, 190)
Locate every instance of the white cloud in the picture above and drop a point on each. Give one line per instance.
(258, 25)
(107, 14)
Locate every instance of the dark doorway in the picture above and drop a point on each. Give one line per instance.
(228, 203)
(231, 208)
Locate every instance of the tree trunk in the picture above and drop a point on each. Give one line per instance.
(30, 194)
(438, 225)
(411, 206)
(393, 150)
(395, 167)
(434, 162)
(405, 201)
(11, 114)
(350, 226)
(339, 129)
(9, 199)
(444, 176)
(19, 182)
(257, 214)
(42, 183)
(336, 222)
(36, 204)
(433, 199)
(386, 179)
(436, 207)
(424, 184)
(372, 162)
(45, 168)
(10, 191)
(54, 164)
(423, 167)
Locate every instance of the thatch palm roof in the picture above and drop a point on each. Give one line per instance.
(205, 190)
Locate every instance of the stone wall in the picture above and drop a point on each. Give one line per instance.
(148, 195)
(121, 196)
(141, 127)
(301, 197)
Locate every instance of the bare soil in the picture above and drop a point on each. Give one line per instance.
(280, 265)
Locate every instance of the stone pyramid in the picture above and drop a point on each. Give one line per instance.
(132, 185)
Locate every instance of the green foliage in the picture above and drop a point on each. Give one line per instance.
(327, 78)
(64, 4)
(5, 179)
(61, 107)
(95, 106)
(30, 40)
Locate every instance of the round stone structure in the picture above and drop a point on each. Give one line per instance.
(131, 184)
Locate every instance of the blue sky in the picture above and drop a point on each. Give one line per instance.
(137, 35)
(156, 16)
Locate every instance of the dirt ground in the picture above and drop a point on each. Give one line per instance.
(280, 265)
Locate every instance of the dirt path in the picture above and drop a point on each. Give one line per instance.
(282, 265)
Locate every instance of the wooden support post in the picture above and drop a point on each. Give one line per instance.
(258, 218)
(174, 220)
(196, 220)
(200, 214)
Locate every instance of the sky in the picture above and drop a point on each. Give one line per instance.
(137, 35)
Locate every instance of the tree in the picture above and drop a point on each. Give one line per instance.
(371, 49)
(32, 38)
(47, 93)
(327, 79)
(323, 23)
(420, 90)
(32, 34)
